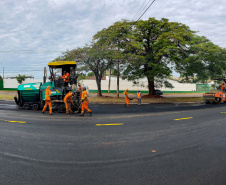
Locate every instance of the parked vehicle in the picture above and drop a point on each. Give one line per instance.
(158, 92)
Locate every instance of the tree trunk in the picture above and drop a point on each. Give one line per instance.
(98, 81)
(117, 79)
(151, 86)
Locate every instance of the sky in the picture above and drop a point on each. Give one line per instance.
(35, 32)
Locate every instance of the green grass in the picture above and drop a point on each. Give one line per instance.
(6, 97)
(110, 100)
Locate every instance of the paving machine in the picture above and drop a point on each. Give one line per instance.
(215, 96)
(32, 95)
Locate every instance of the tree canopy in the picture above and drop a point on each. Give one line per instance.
(153, 49)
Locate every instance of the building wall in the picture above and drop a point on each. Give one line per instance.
(12, 83)
(124, 84)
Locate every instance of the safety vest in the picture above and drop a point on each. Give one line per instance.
(84, 96)
(66, 77)
(48, 93)
(139, 95)
(222, 86)
(126, 93)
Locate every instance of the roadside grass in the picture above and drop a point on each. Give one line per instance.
(6, 97)
(9, 95)
(112, 100)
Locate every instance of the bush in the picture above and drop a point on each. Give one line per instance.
(20, 78)
(1, 77)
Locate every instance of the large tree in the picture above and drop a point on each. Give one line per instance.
(152, 49)
(204, 61)
(115, 38)
(98, 60)
(93, 58)
(158, 45)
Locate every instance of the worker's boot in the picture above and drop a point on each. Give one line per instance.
(82, 113)
(90, 113)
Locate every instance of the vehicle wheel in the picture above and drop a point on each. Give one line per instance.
(26, 106)
(35, 106)
(218, 100)
(207, 102)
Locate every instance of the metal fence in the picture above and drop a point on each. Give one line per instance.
(206, 87)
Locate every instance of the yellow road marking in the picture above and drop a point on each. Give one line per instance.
(223, 112)
(12, 121)
(183, 118)
(110, 124)
(17, 121)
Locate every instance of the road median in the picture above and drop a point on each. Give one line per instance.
(112, 99)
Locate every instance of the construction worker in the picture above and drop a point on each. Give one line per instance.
(139, 97)
(47, 100)
(85, 102)
(67, 101)
(80, 90)
(126, 93)
(222, 86)
(65, 77)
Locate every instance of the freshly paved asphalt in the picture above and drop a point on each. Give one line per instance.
(147, 145)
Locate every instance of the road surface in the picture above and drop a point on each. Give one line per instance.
(151, 144)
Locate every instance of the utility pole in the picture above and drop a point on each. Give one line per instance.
(109, 83)
(3, 72)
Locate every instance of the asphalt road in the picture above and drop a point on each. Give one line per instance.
(182, 144)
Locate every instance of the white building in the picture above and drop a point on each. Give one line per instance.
(123, 84)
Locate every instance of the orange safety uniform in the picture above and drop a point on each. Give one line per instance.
(47, 100)
(67, 98)
(222, 86)
(139, 95)
(85, 103)
(66, 77)
(126, 93)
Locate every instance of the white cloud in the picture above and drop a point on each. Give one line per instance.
(30, 29)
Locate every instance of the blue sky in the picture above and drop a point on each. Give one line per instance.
(34, 32)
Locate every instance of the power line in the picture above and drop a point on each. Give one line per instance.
(142, 14)
(139, 10)
(145, 10)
